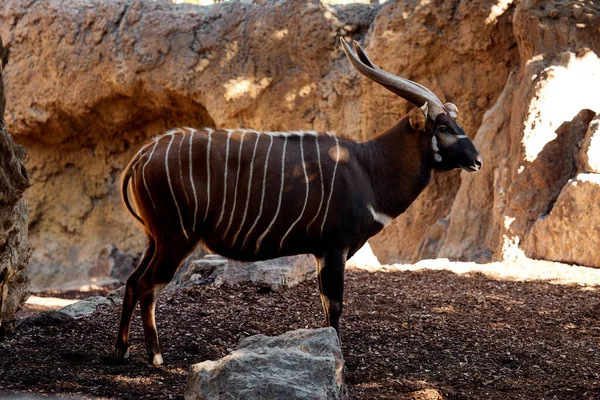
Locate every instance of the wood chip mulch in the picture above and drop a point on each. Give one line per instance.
(406, 335)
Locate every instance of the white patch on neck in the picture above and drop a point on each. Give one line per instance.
(382, 218)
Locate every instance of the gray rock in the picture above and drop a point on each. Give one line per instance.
(276, 273)
(301, 364)
(198, 253)
(205, 270)
(85, 307)
(123, 264)
(73, 311)
(116, 295)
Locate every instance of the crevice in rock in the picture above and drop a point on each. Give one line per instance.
(566, 144)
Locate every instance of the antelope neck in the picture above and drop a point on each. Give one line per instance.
(399, 167)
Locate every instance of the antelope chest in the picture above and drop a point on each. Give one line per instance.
(379, 217)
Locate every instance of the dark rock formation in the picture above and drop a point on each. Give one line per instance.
(14, 249)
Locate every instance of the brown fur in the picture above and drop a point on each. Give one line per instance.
(253, 196)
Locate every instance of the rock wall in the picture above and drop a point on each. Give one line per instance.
(14, 249)
(534, 196)
(97, 78)
(464, 52)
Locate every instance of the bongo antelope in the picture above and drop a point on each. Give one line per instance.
(249, 195)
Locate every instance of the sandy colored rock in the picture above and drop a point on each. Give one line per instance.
(570, 233)
(126, 77)
(433, 239)
(530, 138)
(589, 154)
(449, 48)
(14, 247)
(88, 100)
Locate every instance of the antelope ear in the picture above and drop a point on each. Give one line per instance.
(418, 117)
(452, 110)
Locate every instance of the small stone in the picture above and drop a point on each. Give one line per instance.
(84, 307)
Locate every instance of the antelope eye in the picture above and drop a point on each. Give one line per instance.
(443, 129)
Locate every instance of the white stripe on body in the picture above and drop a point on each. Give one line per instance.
(262, 198)
(192, 181)
(305, 196)
(322, 186)
(171, 186)
(133, 176)
(137, 157)
(187, 199)
(235, 237)
(266, 232)
(134, 183)
(281, 134)
(229, 131)
(237, 181)
(144, 173)
(208, 174)
(337, 160)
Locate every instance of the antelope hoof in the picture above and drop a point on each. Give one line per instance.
(121, 353)
(156, 359)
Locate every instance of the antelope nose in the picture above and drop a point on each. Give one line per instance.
(478, 162)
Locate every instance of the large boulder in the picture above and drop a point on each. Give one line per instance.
(569, 233)
(14, 247)
(302, 364)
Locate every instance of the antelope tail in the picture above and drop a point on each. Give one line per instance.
(124, 185)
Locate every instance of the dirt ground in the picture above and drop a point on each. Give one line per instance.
(407, 334)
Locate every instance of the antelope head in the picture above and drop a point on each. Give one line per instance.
(451, 147)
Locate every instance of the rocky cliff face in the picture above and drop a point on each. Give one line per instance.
(534, 196)
(97, 78)
(14, 249)
(462, 51)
